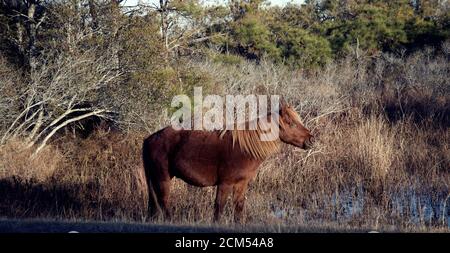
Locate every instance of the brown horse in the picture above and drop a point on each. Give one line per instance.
(211, 158)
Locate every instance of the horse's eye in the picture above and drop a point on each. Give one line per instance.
(292, 124)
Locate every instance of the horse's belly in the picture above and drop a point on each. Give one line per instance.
(196, 171)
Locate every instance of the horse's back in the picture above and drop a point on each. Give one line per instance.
(161, 142)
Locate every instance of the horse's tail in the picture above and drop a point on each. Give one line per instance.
(147, 167)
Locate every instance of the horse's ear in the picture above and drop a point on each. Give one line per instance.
(283, 105)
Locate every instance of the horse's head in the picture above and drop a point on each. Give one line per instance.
(292, 130)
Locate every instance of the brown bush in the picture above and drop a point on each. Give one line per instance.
(96, 178)
(16, 161)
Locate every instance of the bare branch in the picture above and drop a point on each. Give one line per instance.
(65, 123)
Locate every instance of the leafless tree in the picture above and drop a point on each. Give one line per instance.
(60, 92)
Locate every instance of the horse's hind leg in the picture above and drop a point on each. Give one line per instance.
(163, 194)
(158, 182)
(160, 193)
(153, 206)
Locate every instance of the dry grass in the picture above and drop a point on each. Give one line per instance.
(381, 161)
(16, 161)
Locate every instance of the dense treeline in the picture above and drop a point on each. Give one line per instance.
(303, 35)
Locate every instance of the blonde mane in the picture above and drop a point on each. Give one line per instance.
(250, 142)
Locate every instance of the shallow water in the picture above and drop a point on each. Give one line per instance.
(408, 206)
(417, 208)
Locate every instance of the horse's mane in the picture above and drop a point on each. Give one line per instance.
(250, 142)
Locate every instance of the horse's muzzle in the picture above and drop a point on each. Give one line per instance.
(309, 143)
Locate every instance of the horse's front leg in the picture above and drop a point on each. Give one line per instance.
(223, 190)
(239, 191)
